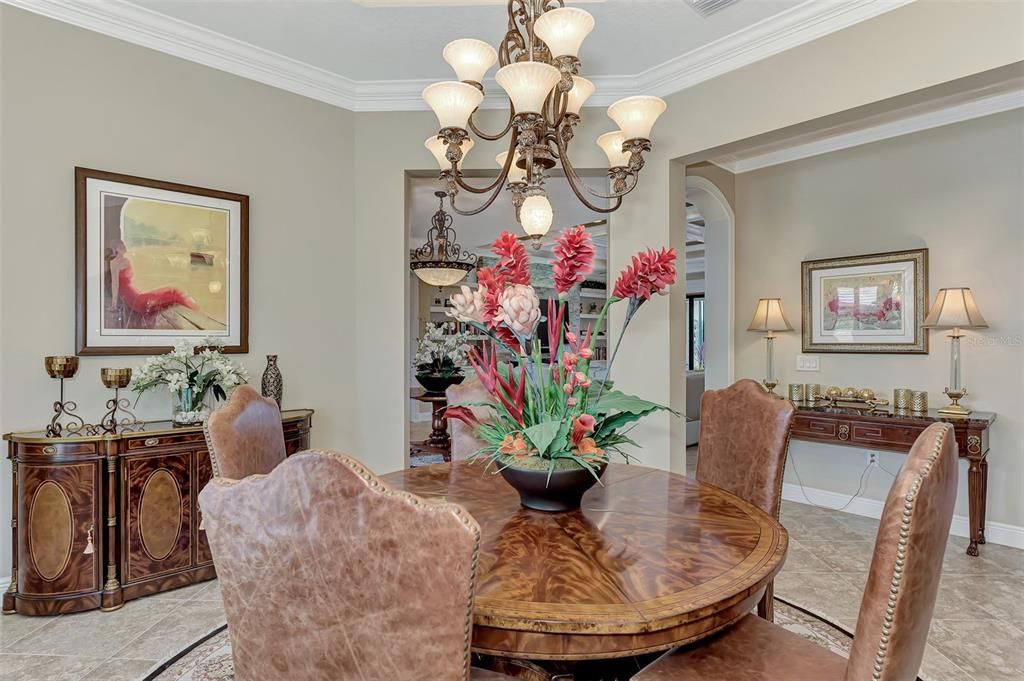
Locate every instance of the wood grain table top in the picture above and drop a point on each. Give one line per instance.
(651, 560)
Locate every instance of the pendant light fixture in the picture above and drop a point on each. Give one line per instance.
(441, 261)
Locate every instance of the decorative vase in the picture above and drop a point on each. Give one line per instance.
(554, 492)
(436, 383)
(188, 410)
(272, 384)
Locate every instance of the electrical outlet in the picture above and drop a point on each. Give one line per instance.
(807, 363)
(873, 458)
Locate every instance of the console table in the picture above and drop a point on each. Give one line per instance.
(99, 520)
(896, 431)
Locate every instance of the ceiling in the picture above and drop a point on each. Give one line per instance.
(378, 55)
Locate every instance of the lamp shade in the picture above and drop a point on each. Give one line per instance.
(536, 215)
(527, 84)
(580, 93)
(515, 173)
(453, 102)
(769, 316)
(611, 143)
(441, 276)
(954, 308)
(470, 58)
(635, 116)
(438, 148)
(563, 30)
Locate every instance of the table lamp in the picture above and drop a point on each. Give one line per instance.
(954, 308)
(770, 317)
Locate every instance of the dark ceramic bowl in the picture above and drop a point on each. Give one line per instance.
(563, 492)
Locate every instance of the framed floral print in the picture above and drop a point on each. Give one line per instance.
(866, 303)
(158, 262)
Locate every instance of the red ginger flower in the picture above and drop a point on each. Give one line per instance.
(650, 272)
(514, 264)
(575, 252)
(494, 281)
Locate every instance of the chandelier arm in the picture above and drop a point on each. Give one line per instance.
(483, 135)
(575, 179)
(478, 210)
(502, 176)
(579, 195)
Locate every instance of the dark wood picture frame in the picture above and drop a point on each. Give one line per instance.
(919, 346)
(82, 175)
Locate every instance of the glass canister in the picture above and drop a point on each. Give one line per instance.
(901, 398)
(919, 401)
(797, 392)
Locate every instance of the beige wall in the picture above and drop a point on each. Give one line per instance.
(72, 97)
(955, 190)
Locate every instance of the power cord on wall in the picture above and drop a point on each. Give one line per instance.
(864, 477)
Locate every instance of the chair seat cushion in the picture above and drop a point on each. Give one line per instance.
(477, 674)
(752, 650)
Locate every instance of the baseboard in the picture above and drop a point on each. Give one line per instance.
(995, 533)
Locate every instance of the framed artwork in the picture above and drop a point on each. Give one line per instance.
(866, 303)
(158, 262)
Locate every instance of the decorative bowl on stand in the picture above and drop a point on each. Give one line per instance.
(437, 384)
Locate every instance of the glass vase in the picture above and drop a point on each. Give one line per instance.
(188, 409)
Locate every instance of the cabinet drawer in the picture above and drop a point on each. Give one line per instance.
(823, 428)
(144, 442)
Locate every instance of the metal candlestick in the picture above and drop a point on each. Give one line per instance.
(118, 416)
(61, 367)
(770, 381)
(955, 392)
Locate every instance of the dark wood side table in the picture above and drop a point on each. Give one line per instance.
(896, 431)
(439, 441)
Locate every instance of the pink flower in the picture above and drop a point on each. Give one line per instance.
(514, 263)
(569, 359)
(650, 272)
(586, 353)
(568, 388)
(582, 380)
(492, 282)
(582, 426)
(519, 309)
(574, 251)
(571, 338)
(468, 306)
(571, 402)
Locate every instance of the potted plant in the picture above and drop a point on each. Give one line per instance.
(193, 373)
(553, 427)
(440, 350)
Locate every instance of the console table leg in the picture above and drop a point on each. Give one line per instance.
(984, 499)
(975, 502)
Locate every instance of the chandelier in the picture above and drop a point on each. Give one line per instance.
(441, 261)
(539, 71)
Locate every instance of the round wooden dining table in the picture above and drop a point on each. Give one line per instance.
(651, 560)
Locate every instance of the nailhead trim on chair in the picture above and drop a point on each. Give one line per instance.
(901, 555)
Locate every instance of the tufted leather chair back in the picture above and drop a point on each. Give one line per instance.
(464, 442)
(327, 573)
(744, 435)
(245, 436)
(900, 594)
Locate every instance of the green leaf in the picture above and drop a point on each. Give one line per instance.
(619, 401)
(612, 423)
(542, 435)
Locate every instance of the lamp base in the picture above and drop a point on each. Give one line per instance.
(954, 408)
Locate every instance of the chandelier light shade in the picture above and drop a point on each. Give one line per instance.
(539, 69)
(436, 146)
(470, 58)
(452, 102)
(515, 173)
(563, 30)
(441, 261)
(635, 116)
(536, 215)
(528, 84)
(578, 95)
(611, 143)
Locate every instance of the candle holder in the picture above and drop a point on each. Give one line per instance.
(118, 416)
(62, 367)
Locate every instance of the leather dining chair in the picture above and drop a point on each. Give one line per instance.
(245, 436)
(464, 442)
(744, 435)
(327, 573)
(896, 610)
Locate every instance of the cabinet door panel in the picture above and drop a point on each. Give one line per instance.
(157, 501)
(60, 507)
(204, 471)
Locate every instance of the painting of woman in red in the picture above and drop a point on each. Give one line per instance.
(146, 304)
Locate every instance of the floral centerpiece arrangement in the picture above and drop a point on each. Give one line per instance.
(192, 372)
(438, 356)
(552, 426)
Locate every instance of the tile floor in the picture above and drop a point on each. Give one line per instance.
(977, 633)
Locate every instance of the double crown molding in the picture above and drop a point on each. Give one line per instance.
(131, 23)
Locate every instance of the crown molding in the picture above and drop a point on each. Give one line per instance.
(983, 106)
(140, 26)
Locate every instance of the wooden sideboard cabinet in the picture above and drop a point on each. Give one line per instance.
(99, 520)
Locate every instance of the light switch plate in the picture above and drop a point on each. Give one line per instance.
(807, 363)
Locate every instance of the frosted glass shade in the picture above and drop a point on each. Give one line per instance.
(470, 58)
(635, 116)
(452, 102)
(769, 316)
(580, 93)
(440, 276)
(438, 148)
(515, 173)
(536, 215)
(564, 29)
(527, 84)
(954, 308)
(611, 143)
